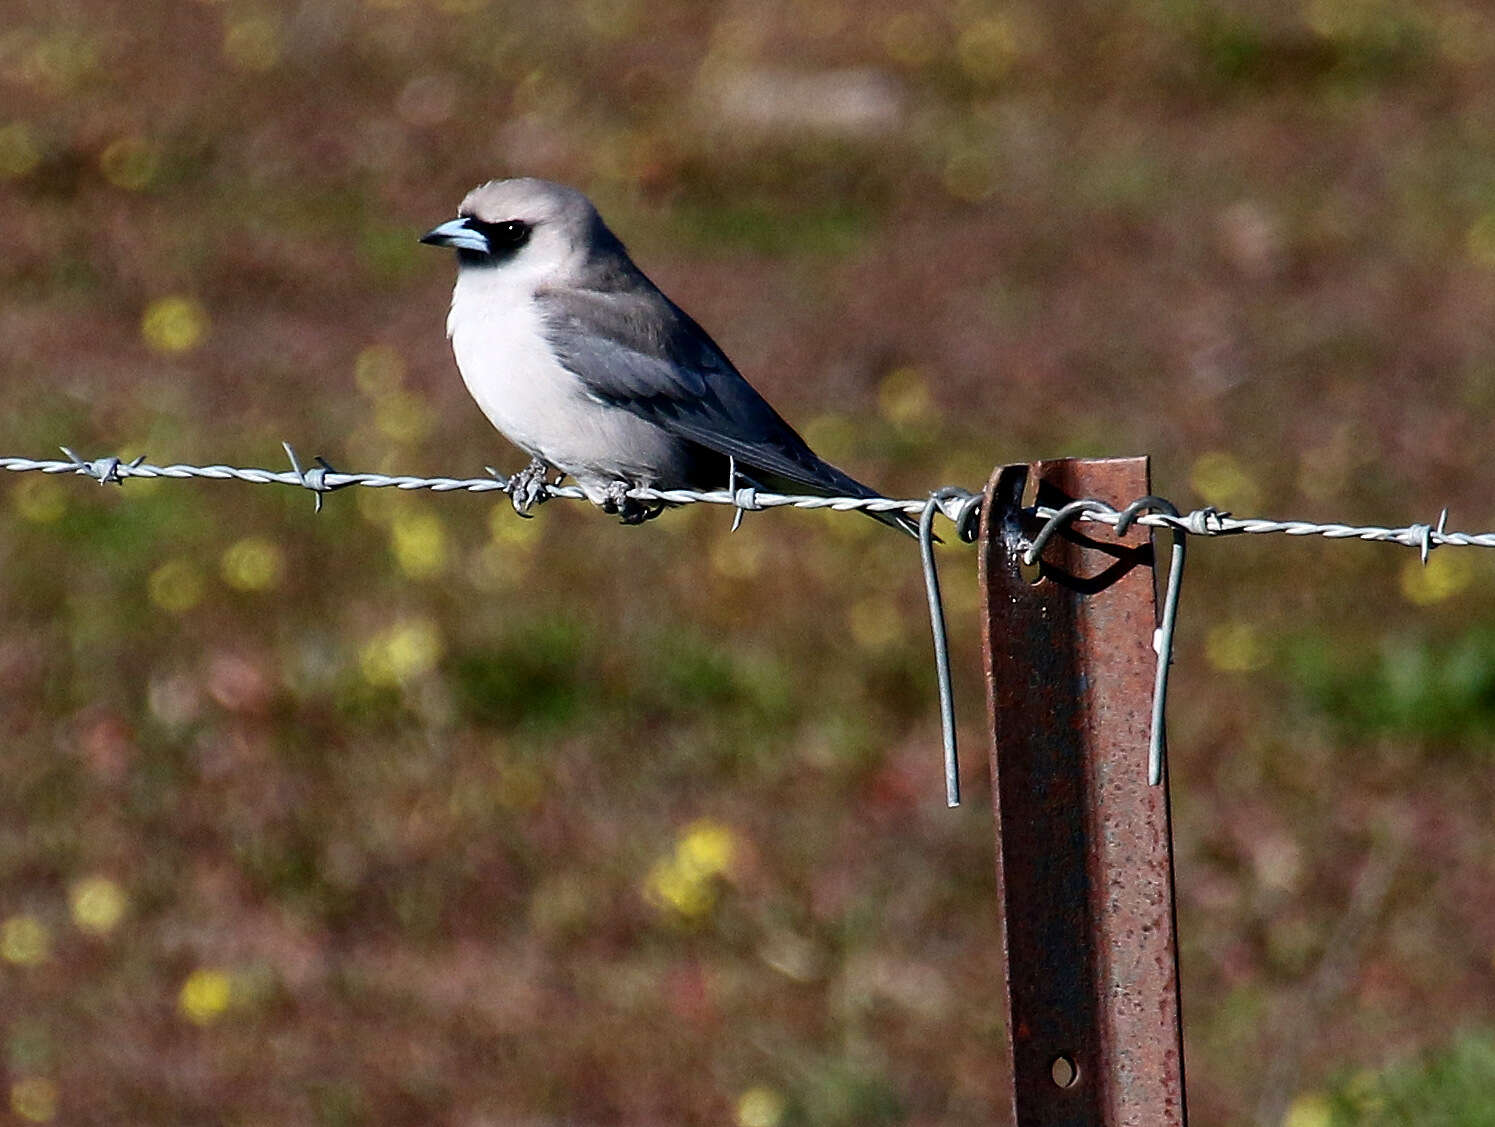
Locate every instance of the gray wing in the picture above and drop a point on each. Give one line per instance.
(636, 350)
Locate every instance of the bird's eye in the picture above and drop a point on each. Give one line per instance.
(504, 238)
(507, 235)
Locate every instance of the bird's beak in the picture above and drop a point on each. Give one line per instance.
(456, 233)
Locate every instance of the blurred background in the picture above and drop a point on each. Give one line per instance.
(417, 813)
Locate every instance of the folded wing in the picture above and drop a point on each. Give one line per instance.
(640, 352)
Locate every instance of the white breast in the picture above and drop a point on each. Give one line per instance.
(499, 342)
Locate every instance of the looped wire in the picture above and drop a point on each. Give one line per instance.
(1150, 503)
(1163, 638)
(962, 508)
(964, 504)
(1064, 516)
(1178, 529)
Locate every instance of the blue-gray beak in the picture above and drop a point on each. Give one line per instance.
(456, 233)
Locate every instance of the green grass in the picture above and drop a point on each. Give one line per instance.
(1451, 1087)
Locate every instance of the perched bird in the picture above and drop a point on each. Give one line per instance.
(586, 366)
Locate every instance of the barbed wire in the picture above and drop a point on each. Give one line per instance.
(956, 504)
(960, 506)
(323, 478)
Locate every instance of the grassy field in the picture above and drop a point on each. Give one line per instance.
(412, 812)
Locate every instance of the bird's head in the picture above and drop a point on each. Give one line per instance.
(544, 229)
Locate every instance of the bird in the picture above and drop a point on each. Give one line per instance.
(583, 363)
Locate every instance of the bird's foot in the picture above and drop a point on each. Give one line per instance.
(528, 488)
(630, 510)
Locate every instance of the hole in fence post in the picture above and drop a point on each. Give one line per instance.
(1063, 1071)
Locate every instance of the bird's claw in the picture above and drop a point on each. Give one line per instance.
(528, 488)
(630, 510)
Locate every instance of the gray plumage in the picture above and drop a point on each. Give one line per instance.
(580, 360)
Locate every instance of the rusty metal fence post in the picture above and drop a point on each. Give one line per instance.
(1084, 849)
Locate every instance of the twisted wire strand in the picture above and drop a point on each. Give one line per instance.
(955, 504)
(323, 480)
(1211, 522)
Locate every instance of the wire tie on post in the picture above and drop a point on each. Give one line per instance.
(963, 503)
(1066, 515)
(315, 478)
(1163, 637)
(963, 509)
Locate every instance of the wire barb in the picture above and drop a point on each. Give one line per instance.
(1425, 546)
(743, 499)
(315, 478)
(105, 471)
